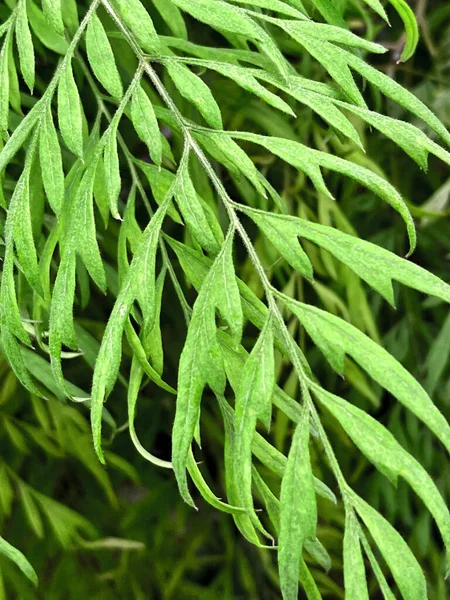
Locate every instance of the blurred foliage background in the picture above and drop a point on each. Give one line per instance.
(124, 533)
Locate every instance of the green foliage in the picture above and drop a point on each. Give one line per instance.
(187, 257)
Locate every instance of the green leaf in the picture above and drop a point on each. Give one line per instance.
(377, 266)
(31, 510)
(333, 61)
(401, 561)
(200, 364)
(195, 91)
(226, 151)
(111, 165)
(25, 45)
(298, 511)
(135, 380)
(275, 5)
(336, 338)
(328, 33)
(82, 227)
(193, 212)
(413, 141)
(20, 134)
(223, 17)
(19, 559)
(39, 23)
(53, 14)
(383, 450)
(4, 85)
(284, 236)
(398, 93)
(69, 112)
(173, 17)
(51, 162)
(109, 357)
(101, 58)
(139, 22)
(311, 161)
(19, 227)
(146, 124)
(411, 28)
(354, 570)
(253, 401)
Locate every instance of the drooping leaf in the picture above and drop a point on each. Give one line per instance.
(193, 212)
(69, 112)
(411, 28)
(377, 266)
(111, 165)
(193, 88)
(401, 561)
(51, 162)
(17, 557)
(336, 338)
(25, 45)
(173, 17)
(253, 401)
(101, 58)
(139, 22)
(354, 571)
(146, 124)
(298, 511)
(53, 13)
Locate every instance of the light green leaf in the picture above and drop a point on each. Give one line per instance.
(377, 266)
(109, 357)
(139, 22)
(16, 140)
(336, 338)
(411, 28)
(354, 570)
(284, 236)
(101, 58)
(378, 8)
(197, 92)
(17, 557)
(333, 61)
(4, 85)
(69, 112)
(328, 33)
(25, 45)
(193, 212)
(226, 151)
(53, 13)
(329, 12)
(402, 562)
(223, 16)
(311, 161)
(413, 141)
(51, 162)
(298, 511)
(83, 227)
(275, 5)
(200, 364)
(134, 383)
(111, 165)
(146, 124)
(253, 401)
(398, 93)
(229, 301)
(382, 449)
